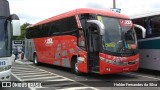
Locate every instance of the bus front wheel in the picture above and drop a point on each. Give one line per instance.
(75, 67)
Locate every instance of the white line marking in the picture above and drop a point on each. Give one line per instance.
(16, 76)
(64, 78)
(17, 68)
(58, 80)
(69, 79)
(20, 80)
(30, 73)
(35, 75)
(143, 76)
(39, 78)
(76, 88)
(19, 71)
(23, 66)
(20, 67)
(55, 74)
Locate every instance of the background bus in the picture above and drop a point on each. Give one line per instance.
(8, 25)
(85, 40)
(150, 46)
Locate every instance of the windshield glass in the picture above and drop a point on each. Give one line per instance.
(3, 38)
(119, 37)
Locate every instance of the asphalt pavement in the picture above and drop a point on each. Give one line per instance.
(60, 78)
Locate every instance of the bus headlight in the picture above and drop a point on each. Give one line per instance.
(137, 60)
(81, 59)
(106, 60)
(4, 68)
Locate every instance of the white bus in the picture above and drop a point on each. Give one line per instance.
(8, 25)
(149, 47)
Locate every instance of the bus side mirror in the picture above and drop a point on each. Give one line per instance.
(99, 24)
(142, 28)
(15, 25)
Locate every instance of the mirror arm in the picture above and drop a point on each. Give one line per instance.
(142, 28)
(100, 24)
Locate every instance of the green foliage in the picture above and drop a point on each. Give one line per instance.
(23, 32)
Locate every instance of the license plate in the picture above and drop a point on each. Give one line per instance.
(125, 69)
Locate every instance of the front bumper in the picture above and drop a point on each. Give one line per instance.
(5, 75)
(106, 68)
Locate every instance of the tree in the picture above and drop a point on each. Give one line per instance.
(23, 32)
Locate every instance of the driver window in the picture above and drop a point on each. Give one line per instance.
(81, 40)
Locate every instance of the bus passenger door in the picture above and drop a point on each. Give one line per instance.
(93, 47)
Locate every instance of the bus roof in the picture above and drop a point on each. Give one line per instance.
(145, 14)
(82, 11)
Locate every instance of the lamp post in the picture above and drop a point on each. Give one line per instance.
(114, 4)
(114, 7)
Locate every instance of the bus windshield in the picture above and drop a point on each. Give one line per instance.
(119, 37)
(3, 38)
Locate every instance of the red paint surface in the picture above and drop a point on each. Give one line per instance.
(82, 11)
(116, 68)
(82, 66)
(46, 53)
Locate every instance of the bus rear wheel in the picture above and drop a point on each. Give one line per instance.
(36, 60)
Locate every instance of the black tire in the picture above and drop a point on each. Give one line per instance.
(75, 67)
(36, 60)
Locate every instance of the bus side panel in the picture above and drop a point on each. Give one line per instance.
(68, 49)
(149, 49)
(60, 49)
(40, 49)
(56, 51)
(51, 44)
(29, 49)
(82, 65)
(149, 59)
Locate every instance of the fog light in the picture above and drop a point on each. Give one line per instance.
(2, 78)
(108, 69)
(7, 76)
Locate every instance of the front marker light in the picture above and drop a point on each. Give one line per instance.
(109, 61)
(106, 60)
(81, 59)
(4, 68)
(7, 67)
(137, 60)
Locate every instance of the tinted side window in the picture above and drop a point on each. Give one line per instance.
(29, 32)
(63, 26)
(155, 26)
(151, 24)
(66, 26)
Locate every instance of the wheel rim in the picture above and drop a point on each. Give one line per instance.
(76, 67)
(35, 61)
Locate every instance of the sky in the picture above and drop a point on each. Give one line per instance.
(33, 11)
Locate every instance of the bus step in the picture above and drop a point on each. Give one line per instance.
(95, 69)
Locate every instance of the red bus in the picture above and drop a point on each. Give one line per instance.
(85, 40)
